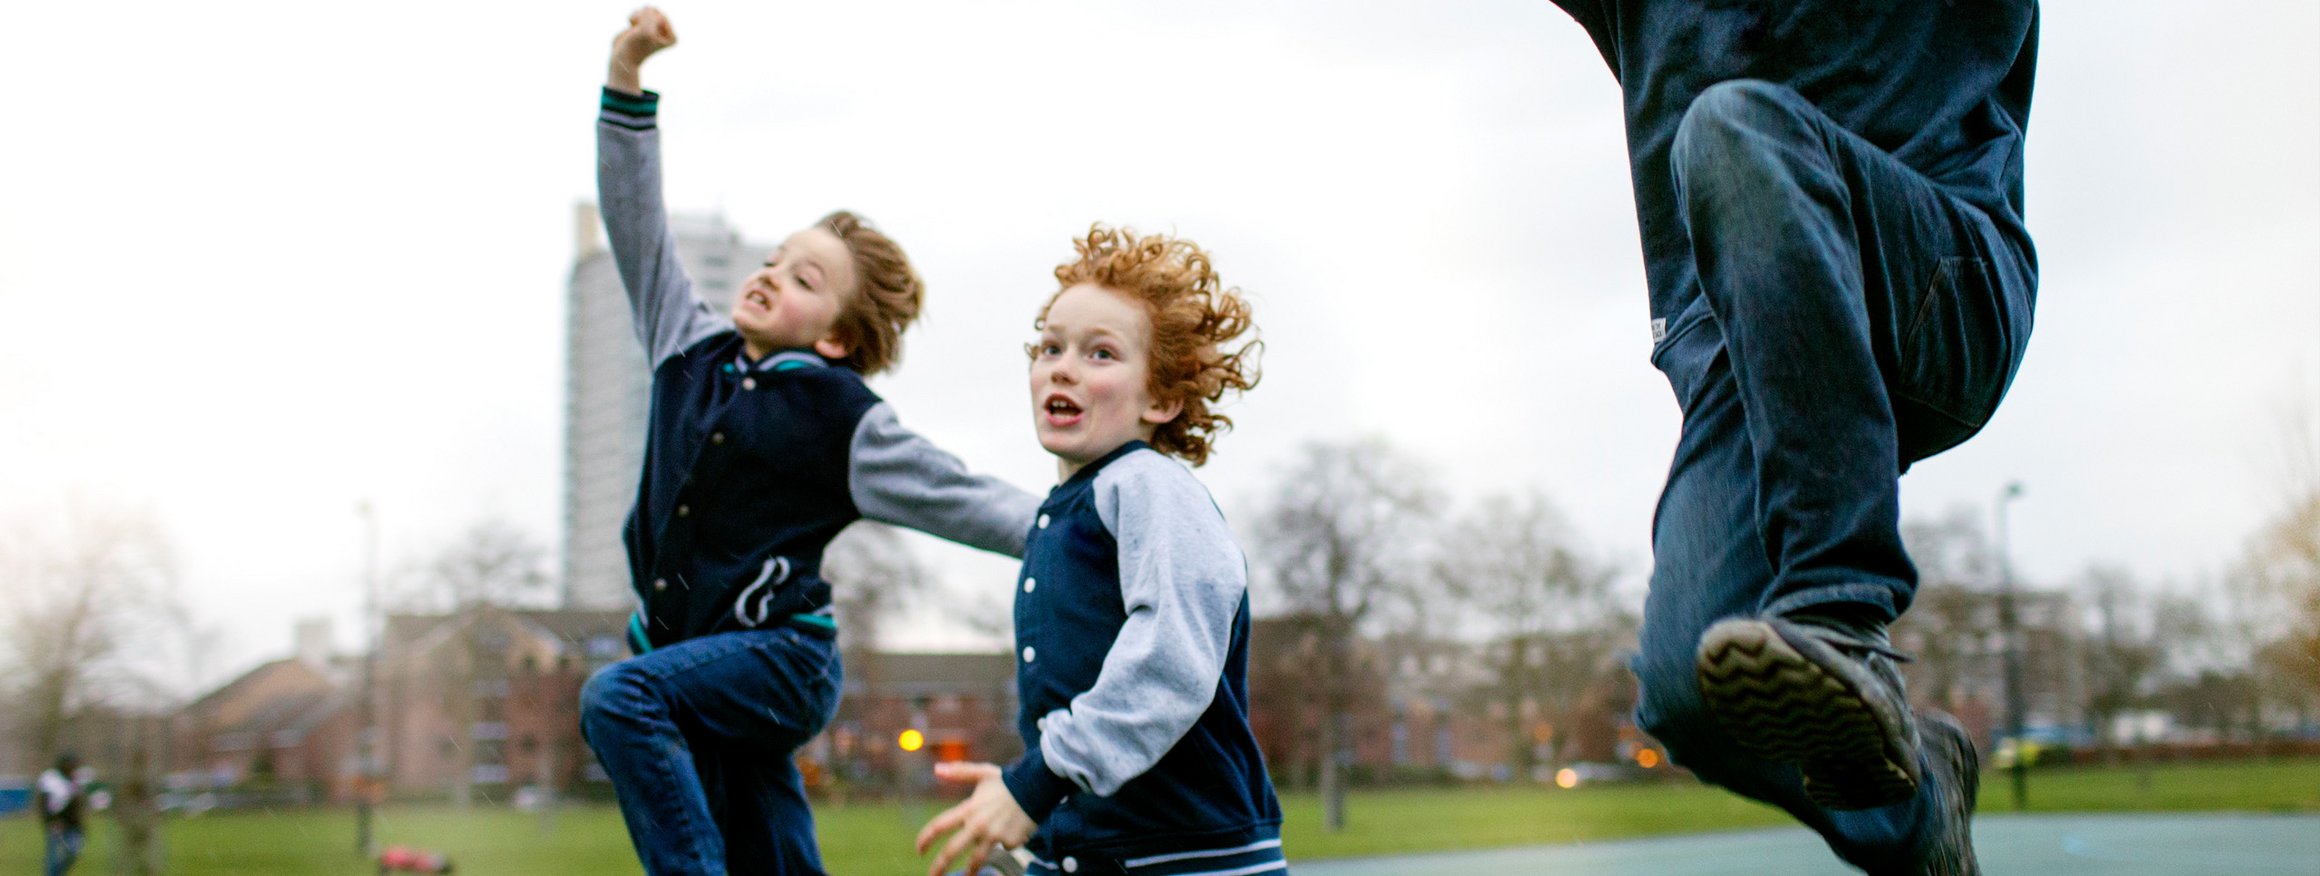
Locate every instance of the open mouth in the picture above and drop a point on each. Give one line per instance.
(758, 299)
(1061, 411)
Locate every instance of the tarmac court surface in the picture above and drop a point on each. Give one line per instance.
(2046, 845)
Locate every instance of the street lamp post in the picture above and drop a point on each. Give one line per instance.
(366, 735)
(2009, 626)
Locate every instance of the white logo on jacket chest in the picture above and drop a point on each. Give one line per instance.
(756, 600)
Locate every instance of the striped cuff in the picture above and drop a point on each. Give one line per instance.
(639, 644)
(636, 112)
(1035, 788)
(1262, 856)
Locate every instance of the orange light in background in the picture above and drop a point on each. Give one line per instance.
(1566, 778)
(913, 740)
(1647, 758)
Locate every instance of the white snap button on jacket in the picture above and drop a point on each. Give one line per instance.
(716, 437)
(1030, 584)
(1043, 521)
(749, 383)
(684, 510)
(660, 583)
(1030, 654)
(1070, 864)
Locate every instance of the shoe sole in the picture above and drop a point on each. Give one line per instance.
(1955, 855)
(1783, 706)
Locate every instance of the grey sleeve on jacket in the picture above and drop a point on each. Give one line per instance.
(901, 478)
(1182, 579)
(669, 317)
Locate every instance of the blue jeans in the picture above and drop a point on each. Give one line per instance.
(1852, 317)
(698, 738)
(63, 848)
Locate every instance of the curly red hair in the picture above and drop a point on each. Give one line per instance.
(1194, 318)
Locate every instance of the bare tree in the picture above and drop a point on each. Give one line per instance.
(2122, 651)
(136, 803)
(491, 562)
(1550, 622)
(2282, 574)
(91, 604)
(1950, 624)
(874, 577)
(2274, 608)
(1341, 539)
(94, 624)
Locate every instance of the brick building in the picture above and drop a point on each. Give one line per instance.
(962, 706)
(285, 728)
(1424, 709)
(486, 701)
(479, 704)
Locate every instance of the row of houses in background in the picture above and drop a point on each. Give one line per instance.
(479, 705)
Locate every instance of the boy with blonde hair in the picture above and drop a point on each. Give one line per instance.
(764, 444)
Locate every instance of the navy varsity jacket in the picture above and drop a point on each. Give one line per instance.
(751, 468)
(1132, 637)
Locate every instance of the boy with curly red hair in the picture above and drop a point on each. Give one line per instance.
(1132, 609)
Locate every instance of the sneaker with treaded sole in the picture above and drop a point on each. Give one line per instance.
(1826, 700)
(1951, 759)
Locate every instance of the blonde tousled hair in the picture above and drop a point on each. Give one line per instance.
(886, 297)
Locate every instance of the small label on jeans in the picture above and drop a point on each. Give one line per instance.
(1659, 330)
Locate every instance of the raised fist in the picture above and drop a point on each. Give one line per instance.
(648, 32)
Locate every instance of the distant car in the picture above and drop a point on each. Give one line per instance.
(188, 803)
(533, 798)
(15, 794)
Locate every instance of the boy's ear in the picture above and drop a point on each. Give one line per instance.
(1162, 411)
(832, 348)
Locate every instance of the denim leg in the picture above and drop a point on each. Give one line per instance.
(1852, 318)
(768, 825)
(1870, 319)
(1708, 566)
(63, 849)
(672, 727)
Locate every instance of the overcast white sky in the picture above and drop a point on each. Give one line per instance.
(263, 261)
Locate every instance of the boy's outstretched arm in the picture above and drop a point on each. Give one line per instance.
(669, 317)
(901, 478)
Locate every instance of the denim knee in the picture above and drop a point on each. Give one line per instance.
(614, 692)
(1728, 143)
(1736, 112)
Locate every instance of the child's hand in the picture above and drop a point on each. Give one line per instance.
(648, 32)
(989, 815)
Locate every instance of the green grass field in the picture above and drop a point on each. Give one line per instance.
(875, 839)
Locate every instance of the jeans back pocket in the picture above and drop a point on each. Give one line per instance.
(1955, 358)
